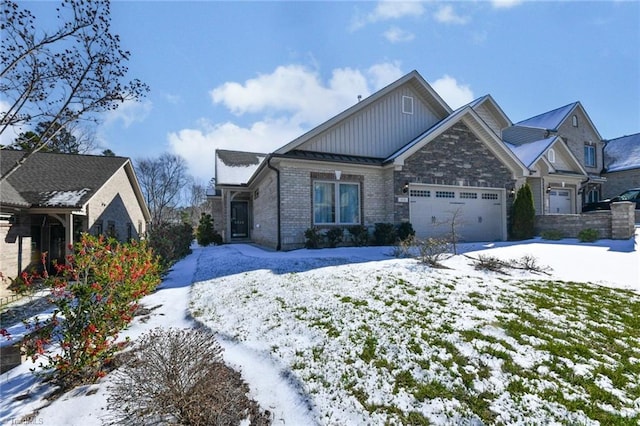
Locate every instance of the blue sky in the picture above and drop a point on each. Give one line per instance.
(254, 75)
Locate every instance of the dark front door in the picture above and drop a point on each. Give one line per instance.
(239, 219)
(56, 246)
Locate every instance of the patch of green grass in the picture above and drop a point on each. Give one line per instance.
(404, 379)
(354, 302)
(431, 390)
(369, 349)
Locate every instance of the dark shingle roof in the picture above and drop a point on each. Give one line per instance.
(56, 180)
(10, 197)
(335, 158)
(239, 158)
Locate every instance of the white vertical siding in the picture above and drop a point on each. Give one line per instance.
(378, 130)
(536, 190)
(488, 118)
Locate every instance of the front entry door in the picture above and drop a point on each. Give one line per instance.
(56, 246)
(239, 219)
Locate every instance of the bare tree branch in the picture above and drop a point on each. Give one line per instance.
(74, 73)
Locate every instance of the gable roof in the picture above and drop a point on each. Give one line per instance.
(550, 120)
(236, 167)
(622, 153)
(413, 78)
(56, 180)
(471, 118)
(530, 152)
(498, 114)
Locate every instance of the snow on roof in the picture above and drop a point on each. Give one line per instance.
(622, 153)
(63, 198)
(529, 153)
(236, 167)
(550, 120)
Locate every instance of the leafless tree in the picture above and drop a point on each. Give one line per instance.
(197, 201)
(162, 181)
(63, 76)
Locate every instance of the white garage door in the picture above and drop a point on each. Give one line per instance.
(560, 201)
(477, 212)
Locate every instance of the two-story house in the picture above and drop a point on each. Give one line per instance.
(563, 150)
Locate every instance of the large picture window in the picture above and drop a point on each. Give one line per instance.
(336, 203)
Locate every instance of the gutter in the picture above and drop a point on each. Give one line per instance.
(279, 244)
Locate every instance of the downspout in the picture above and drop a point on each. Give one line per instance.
(279, 244)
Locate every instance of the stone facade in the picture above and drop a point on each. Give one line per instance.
(457, 157)
(617, 223)
(577, 136)
(618, 182)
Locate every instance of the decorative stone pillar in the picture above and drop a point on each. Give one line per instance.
(622, 220)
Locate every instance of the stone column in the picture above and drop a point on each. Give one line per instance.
(622, 220)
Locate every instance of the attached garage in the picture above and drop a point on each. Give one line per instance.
(479, 213)
(560, 201)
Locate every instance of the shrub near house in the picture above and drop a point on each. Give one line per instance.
(95, 297)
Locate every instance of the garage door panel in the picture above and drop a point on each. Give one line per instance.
(477, 212)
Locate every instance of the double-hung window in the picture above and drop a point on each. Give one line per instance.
(589, 155)
(336, 203)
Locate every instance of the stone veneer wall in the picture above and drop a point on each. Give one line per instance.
(617, 223)
(455, 156)
(618, 182)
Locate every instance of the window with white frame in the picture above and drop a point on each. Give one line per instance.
(593, 196)
(551, 155)
(407, 104)
(574, 121)
(336, 203)
(589, 155)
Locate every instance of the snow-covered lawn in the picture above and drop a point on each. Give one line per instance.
(355, 336)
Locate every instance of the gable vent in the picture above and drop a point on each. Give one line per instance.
(407, 105)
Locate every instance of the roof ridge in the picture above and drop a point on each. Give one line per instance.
(572, 104)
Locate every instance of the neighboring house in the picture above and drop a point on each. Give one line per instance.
(621, 165)
(563, 149)
(399, 155)
(52, 198)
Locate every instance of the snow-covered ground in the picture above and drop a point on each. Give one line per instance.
(274, 310)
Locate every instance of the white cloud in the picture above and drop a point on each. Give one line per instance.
(398, 35)
(454, 94)
(505, 4)
(288, 102)
(391, 9)
(293, 89)
(447, 15)
(198, 146)
(128, 112)
(383, 74)
(387, 10)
